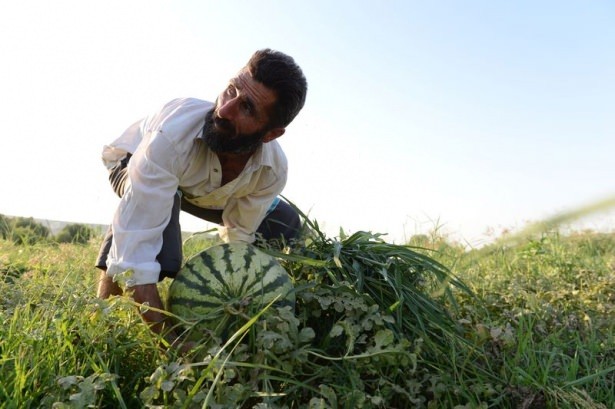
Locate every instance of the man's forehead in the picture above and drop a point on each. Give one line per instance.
(254, 89)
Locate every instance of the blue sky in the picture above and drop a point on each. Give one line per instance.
(470, 117)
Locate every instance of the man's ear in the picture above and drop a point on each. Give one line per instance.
(273, 134)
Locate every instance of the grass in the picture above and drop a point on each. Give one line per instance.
(547, 316)
(523, 324)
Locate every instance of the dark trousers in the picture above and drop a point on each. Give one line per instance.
(281, 225)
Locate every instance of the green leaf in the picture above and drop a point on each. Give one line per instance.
(336, 331)
(68, 381)
(383, 338)
(306, 335)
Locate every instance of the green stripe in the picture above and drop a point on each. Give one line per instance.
(226, 257)
(245, 285)
(248, 257)
(208, 262)
(186, 281)
(195, 302)
(259, 277)
(276, 284)
(196, 273)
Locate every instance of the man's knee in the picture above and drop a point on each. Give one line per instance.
(283, 223)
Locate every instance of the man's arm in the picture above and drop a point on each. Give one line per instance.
(242, 216)
(158, 322)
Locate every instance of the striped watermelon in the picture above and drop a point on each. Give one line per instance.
(218, 288)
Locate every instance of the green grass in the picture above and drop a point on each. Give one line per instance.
(523, 324)
(546, 316)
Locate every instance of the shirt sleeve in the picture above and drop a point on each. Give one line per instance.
(243, 215)
(144, 210)
(126, 143)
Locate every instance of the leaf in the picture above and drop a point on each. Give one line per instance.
(148, 394)
(167, 386)
(383, 338)
(329, 394)
(337, 249)
(306, 335)
(336, 331)
(68, 381)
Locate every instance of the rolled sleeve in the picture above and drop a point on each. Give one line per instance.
(243, 215)
(136, 274)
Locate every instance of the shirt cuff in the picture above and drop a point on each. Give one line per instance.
(233, 235)
(134, 274)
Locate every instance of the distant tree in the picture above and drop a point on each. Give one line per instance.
(436, 242)
(24, 235)
(26, 230)
(5, 226)
(75, 233)
(420, 240)
(30, 223)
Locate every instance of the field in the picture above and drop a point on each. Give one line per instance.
(524, 324)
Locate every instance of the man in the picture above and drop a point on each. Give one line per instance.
(219, 162)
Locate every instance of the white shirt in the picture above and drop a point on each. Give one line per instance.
(170, 154)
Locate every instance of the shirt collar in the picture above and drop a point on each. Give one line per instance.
(263, 156)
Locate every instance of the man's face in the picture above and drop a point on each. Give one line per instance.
(239, 121)
(220, 137)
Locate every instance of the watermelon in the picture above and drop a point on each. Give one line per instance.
(217, 290)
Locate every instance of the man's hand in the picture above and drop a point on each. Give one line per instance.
(148, 294)
(158, 322)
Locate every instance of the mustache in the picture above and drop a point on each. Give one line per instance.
(218, 125)
(222, 123)
(220, 135)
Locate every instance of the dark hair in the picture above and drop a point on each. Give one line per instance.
(279, 72)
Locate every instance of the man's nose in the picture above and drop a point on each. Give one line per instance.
(228, 109)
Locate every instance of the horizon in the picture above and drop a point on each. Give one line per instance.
(568, 226)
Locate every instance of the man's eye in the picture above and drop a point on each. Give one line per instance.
(247, 108)
(230, 90)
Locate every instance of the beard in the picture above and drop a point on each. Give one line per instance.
(221, 137)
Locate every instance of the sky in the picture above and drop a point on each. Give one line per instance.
(462, 118)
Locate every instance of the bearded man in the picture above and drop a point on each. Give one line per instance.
(219, 162)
